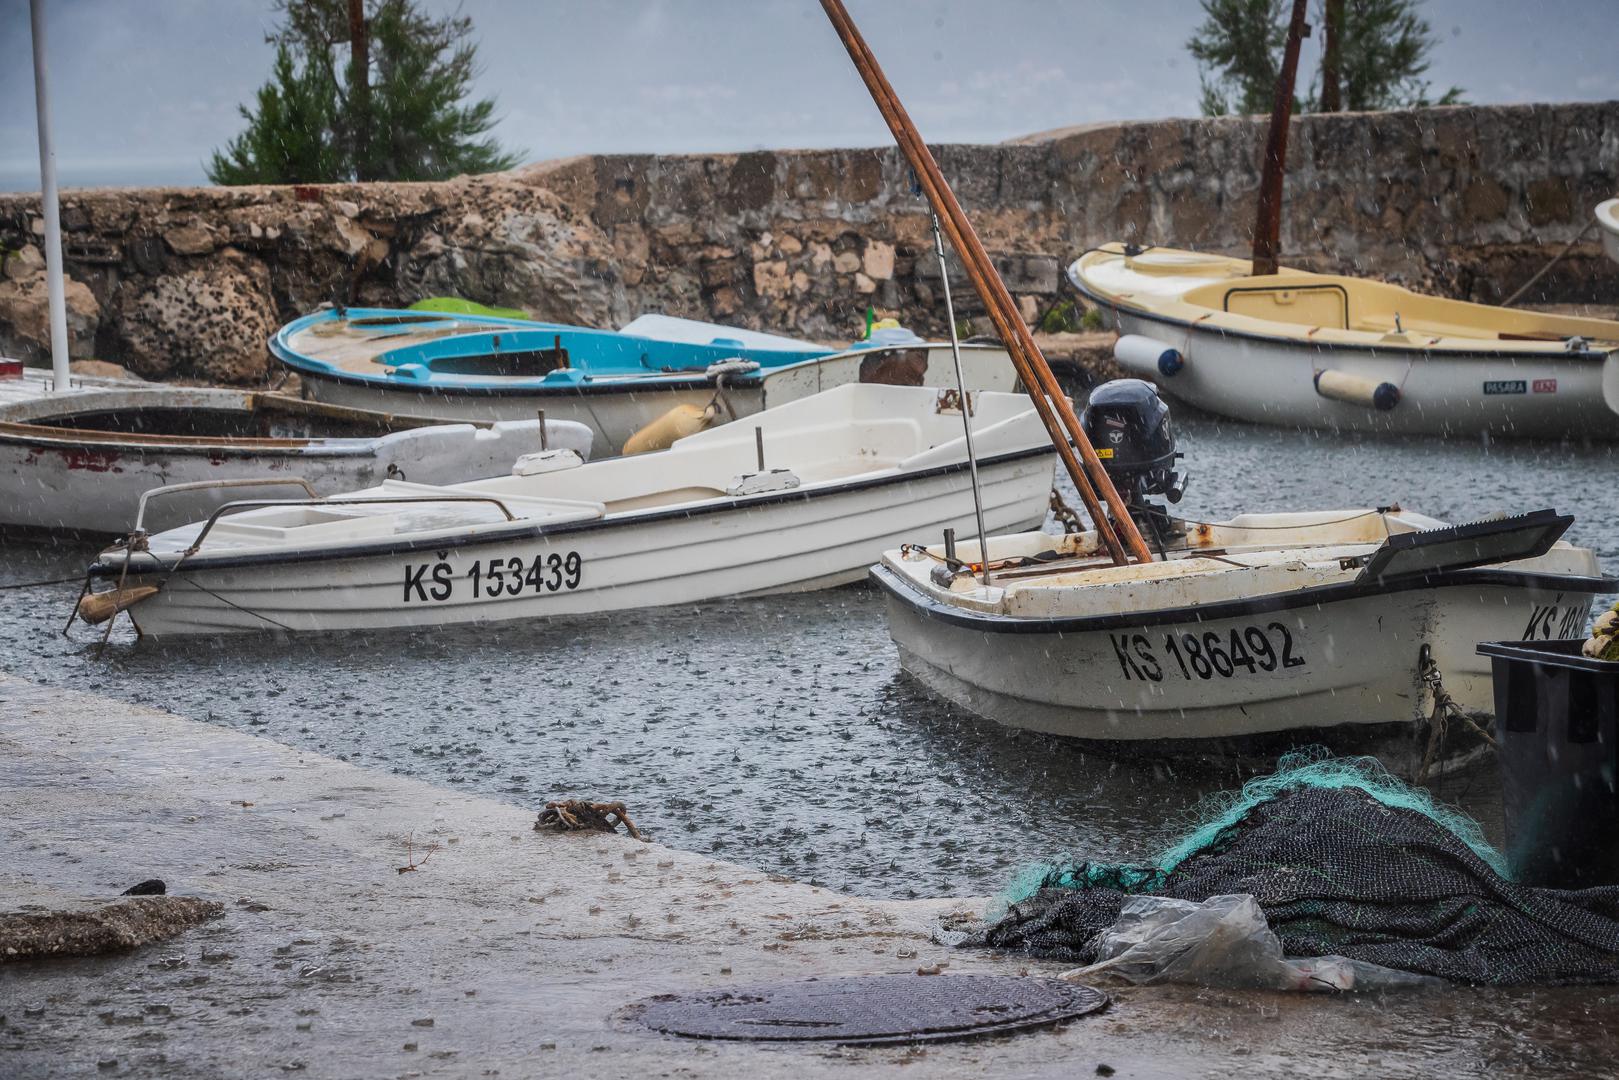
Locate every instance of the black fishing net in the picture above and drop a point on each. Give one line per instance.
(1344, 860)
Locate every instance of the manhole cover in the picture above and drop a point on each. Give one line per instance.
(867, 1009)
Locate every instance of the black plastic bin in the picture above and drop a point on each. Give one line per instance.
(1557, 727)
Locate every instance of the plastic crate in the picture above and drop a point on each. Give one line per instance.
(1557, 732)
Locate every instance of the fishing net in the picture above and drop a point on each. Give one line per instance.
(1344, 860)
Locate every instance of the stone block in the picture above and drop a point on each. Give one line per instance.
(1549, 201)
(1484, 201)
(771, 279)
(191, 238)
(23, 263)
(878, 260)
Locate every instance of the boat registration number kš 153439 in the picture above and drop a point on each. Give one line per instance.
(1210, 654)
(491, 578)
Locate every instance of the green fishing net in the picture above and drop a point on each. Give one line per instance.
(1344, 859)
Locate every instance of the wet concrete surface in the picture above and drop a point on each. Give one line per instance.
(513, 953)
(777, 732)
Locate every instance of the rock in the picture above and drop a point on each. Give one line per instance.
(770, 279)
(24, 263)
(878, 260)
(846, 262)
(211, 323)
(101, 369)
(353, 238)
(346, 208)
(192, 238)
(864, 285)
(25, 318)
(149, 887)
(125, 924)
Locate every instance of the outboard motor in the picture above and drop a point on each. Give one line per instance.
(1128, 424)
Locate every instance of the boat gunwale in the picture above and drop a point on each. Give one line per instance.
(898, 585)
(536, 530)
(48, 436)
(1459, 353)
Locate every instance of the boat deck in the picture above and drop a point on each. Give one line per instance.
(36, 384)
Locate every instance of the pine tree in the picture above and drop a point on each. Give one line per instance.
(394, 110)
(1239, 52)
(1384, 54)
(1378, 52)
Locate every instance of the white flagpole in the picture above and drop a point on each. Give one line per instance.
(47, 197)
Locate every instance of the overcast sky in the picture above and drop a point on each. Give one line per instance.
(142, 90)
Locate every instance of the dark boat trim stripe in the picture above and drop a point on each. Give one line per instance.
(1230, 609)
(531, 531)
(1590, 355)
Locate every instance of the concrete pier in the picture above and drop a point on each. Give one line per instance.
(511, 952)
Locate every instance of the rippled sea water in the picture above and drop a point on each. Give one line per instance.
(777, 732)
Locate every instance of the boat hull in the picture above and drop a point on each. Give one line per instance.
(1272, 381)
(84, 480)
(1314, 665)
(776, 543)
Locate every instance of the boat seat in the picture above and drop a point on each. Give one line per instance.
(521, 506)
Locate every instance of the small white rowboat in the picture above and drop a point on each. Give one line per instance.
(81, 460)
(1265, 623)
(803, 496)
(1346, 354)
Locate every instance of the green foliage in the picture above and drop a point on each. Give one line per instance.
(1383, 54)
(289, 138)
(1069, 317)
(1238, 50)
(1061, 318)
(407, 119)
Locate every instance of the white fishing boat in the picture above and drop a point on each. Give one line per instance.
(81, 458)
(802, 496)
(1347, 354)
(1263, 623)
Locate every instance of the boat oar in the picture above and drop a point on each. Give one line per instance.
(1120, 535)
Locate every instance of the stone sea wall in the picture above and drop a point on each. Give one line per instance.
(188, 283)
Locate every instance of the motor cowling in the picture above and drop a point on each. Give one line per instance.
(1129, 425)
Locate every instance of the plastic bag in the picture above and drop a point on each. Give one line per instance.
(1224, 941)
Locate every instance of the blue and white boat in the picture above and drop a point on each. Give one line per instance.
(659, 376)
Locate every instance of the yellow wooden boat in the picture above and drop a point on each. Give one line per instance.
(1344, 353)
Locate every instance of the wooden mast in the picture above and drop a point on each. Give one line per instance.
(1268, 220)
(1119, 534)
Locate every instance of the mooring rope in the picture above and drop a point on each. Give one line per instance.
(1526, 286)
(41, 584)
(1445, 710)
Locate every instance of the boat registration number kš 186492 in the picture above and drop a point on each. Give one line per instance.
(488, 579)
(1210, 654)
